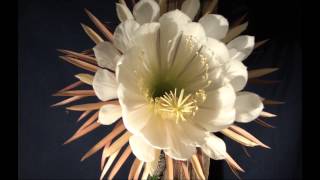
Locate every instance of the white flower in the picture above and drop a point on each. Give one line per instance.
(176, 82)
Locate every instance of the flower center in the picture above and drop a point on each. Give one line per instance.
(176, 89)
(178, 106)
(161, 88)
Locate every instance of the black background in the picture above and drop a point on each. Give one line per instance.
(47, 25)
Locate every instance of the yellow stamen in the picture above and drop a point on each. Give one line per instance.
(178, 107)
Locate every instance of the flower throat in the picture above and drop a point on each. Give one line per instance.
(171, 102)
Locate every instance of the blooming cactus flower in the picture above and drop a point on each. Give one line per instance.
(177, 82)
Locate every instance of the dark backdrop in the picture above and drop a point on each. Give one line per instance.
(46, 25)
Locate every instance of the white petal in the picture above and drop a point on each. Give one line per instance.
(224, 97)
(131, 99)
(218, 111)
(222, 119)
(193, 72)
(165, 134)
(219, 49)
(109, 113)
(123, 12)
(155, 132)
(172, 22)
(133, 69)
(241, 47)
(171, 25)
(216, 26)
(146, 11)
(189, 133)
(136, 119)
(214, 74)
(124, 71)
(183, 138)
(147, 37)
(107, 55)
(190, 7)
(180, 151)
(237, 74)
(124, 33)
(214, 147)
(105, 85)
(136, 111)
(218, 78)
(248, 106)
(196, 31)
(142, 150)
(190, 41)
